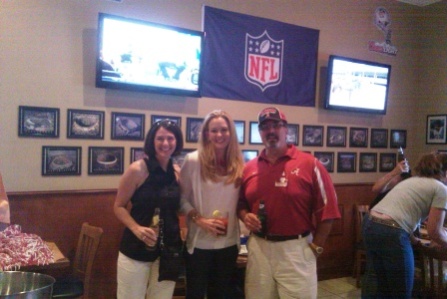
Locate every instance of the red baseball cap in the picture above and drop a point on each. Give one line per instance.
(271, 113)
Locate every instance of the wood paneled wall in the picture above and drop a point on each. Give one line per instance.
(58, 215)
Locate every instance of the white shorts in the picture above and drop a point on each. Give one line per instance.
(139, 280)
(283, 270)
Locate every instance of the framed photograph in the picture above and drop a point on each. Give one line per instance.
(193, 127)
(85, 124)
(313, 135)
(61, 160)
(387, 162)
(442, 151)
(293, 131)
(368, 162)
(379, 138)
(136, 153)
(127, 126)
(327, 159)
(436, 126)
(398, 138)
(255, 137)
(105, 160)
(176, 119)
(346, 162)
(38, 122)
(358, 137)
(249, 154)
(180, 158)
(336, 136)
(240, 130)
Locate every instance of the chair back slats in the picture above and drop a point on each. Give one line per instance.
(435, 276)
(360, 212)
(85, 254)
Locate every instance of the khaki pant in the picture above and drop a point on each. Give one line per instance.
(283, 270)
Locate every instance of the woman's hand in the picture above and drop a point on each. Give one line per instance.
(252, 222)
(214, 226)
(147, 235)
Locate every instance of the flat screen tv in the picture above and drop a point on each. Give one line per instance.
(357, 85)
(144, 56)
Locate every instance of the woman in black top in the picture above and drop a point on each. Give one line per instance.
(148, 184)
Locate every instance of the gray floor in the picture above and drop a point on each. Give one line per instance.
(338, 288)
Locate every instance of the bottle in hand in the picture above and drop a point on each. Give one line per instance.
(262, 216)
(401, 157)
(155, 226)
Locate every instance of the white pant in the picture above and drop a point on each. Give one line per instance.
(139, 280)
(284, 270)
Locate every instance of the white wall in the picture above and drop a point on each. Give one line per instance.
(47, 58)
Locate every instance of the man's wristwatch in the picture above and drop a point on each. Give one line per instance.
(319, 250)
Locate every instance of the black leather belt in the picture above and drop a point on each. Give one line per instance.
(279, 238)
(388, 222)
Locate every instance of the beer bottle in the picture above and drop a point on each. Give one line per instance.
(262, 216)
(155, 226)
(401, 157)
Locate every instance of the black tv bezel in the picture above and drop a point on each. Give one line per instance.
(138, 87)
(328, 106)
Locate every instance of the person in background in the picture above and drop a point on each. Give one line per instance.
(388, 181)
(295, 188)
(388, 231)
(210, 181)
(143, 185)
(382, 186)
(4, 203)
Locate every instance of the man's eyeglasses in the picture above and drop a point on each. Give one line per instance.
(275, 125)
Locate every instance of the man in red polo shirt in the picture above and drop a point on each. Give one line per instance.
(296, 188)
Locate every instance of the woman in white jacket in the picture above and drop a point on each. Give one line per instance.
(210, 181)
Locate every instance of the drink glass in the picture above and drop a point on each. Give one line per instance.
(223, 216)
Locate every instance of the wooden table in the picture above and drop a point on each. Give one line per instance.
(60, 261)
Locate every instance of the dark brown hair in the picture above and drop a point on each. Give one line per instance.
(149, 148)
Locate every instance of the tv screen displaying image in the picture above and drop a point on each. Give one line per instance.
(357, 85)
(144, 56)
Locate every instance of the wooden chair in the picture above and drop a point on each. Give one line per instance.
(360, 251)
(434, 271)
(78, 284)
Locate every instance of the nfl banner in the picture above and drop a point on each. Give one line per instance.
(260, 60)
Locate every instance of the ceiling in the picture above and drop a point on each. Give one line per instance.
(420, 2)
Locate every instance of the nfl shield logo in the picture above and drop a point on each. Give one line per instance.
(263, 60)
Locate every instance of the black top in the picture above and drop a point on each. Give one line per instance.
(160, 189)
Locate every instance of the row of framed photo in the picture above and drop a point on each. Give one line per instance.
(89, 124)
(66, 160)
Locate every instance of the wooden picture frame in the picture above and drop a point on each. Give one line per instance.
(255, 137)
(128, 126)
(436, 129)
(346, 161)
(240, 130)
(336, 136)
(379, 138)
(358, 137)
(105, 160)
(249, 154)
(61, 160)
(368, 162)
(326, 159)
(387, 162)
(293, 134)
(193, 128)
(85, 124)
(176, 119)
(41, 122)
(398, 138)
(136, 153)
(313, 135)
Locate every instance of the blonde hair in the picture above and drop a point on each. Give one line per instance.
(233, 156)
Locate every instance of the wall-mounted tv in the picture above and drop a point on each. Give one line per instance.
(357, 85)
(144, 56)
